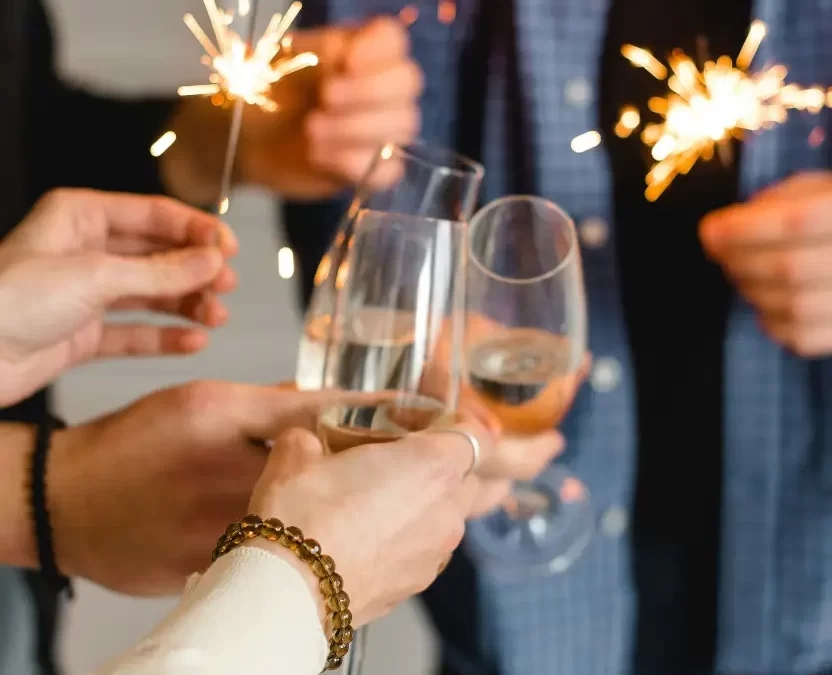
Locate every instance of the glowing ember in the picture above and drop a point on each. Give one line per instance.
(587, 141)
(705, 110)
(240, 70)
(163, 143)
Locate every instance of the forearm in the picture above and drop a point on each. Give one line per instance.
(252, 612)
(17, 545)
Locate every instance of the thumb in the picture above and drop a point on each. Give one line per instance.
(293, 452)
(164, 275)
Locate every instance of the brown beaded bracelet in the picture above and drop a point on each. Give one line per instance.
(309, 551)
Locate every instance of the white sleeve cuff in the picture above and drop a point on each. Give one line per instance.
(250, 613)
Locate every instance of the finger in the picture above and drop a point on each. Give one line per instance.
(330, 44)
(522, 457)
(788, 266)
(118, 244)
(455, 450)
(781, 304)
(806, 341)
(403, 82)
(121, 245)
(490, 494)
(202, 307)
(225, 282)
(372, 127)
(171, 274)
(119, 340)
(768, 222)
(264, 412)
(797, 186)
(160, 218)
(294, 450)
(380, 41)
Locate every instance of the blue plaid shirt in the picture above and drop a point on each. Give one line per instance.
(775, 601)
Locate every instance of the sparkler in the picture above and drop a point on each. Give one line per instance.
(242, 71)
(705, 110)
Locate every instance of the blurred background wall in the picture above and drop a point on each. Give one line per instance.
(129, 48)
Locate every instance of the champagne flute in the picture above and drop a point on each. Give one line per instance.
(419, 180)
(395, 346)
(525, 351)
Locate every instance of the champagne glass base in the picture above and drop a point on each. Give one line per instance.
(543, 530)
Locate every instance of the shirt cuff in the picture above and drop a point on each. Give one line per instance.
(251, 612)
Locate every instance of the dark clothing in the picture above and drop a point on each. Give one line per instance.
(54, 135)
(676, 304)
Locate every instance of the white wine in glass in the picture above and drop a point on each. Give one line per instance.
(427, 182)
(524, 355)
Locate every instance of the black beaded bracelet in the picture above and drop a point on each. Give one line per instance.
(309, 551)
(40, 510)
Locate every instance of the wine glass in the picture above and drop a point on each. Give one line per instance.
(419, 180)
(525, 352)
(396, 337)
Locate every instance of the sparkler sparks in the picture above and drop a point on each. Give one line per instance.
(705, 110)
(240, 70)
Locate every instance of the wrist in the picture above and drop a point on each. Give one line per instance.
(17, 540)
(65, 497)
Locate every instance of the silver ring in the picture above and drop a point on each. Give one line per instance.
(475, 447)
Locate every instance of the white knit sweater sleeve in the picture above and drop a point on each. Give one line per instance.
(250, 613)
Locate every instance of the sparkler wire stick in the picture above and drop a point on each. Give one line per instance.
(236, 127)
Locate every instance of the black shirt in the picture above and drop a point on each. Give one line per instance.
(675, 304)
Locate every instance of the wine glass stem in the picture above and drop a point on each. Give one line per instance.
(530, 502)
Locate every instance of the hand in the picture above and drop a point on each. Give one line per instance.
(139, 498)
(367, 95)
(777, 251)
(331, 121)
(80, 253)
(390, 515)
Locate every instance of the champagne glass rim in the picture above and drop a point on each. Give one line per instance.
(567, 259)
(454, 162)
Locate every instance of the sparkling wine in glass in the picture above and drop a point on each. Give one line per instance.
(394, 344)
(416, 180)
(524, 356)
